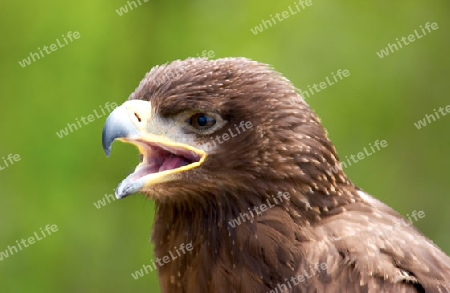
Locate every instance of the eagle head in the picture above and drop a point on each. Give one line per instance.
(206, 128)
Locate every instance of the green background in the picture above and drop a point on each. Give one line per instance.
(57, 180)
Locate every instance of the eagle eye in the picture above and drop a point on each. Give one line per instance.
(201, 121)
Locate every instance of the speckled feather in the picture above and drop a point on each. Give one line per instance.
(326, 220)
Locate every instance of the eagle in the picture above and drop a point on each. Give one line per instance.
(243, 174)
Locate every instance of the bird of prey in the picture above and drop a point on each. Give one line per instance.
(251, 182)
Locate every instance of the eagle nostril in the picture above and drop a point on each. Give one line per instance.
(137, 116)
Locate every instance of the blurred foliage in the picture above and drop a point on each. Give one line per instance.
(57, 180)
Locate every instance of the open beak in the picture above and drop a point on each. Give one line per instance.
(162, 158)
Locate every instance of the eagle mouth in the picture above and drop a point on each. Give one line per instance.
(159, 158)
(160, 162)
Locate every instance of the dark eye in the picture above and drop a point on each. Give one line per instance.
(201, 121)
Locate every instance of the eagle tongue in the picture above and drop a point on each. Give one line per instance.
(149, 168)
(173, 162)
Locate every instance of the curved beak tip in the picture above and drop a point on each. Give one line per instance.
(107, 152)
(117, 125)
(106, 143)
